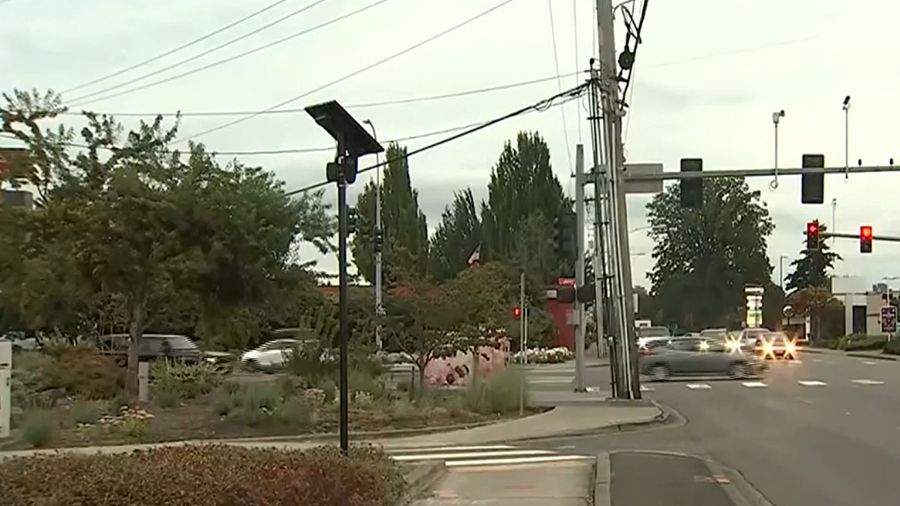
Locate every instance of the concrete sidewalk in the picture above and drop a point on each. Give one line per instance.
(877, 355)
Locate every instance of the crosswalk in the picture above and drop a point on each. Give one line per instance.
(483, 455)
(811, 383)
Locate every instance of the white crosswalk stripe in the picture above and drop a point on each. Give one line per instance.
(488, 455)
(867, 382)
(812, 383)
(754, 384)
(645, 388)
(870, 362)
(698, 386)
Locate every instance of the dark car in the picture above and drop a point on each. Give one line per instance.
(697, 357)
(152, 347)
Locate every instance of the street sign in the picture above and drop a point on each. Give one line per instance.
(888, 319)
(639, 187)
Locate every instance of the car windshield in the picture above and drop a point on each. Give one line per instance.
(177, 342)
(653, 332)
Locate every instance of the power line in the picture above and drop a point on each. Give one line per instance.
(351, 74)
(541, 106)
(240, 55)
(175, 50)
(577, 61)
(365, 105)
(562, 110)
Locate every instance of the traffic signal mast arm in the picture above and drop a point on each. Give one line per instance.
(762, 173)
(887, 238)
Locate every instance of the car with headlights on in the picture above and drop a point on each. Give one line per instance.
(776, 345)
(695, 356)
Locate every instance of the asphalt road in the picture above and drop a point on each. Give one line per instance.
(824, 430)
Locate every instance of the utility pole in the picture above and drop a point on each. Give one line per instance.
(579, 267)
(613, 121)
(379, 242)
(522, 348)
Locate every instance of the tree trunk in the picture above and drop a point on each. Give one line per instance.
(135, 330)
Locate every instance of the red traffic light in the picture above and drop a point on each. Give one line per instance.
(812, 228)
(865, 239)
(517, 312)
(865, 232)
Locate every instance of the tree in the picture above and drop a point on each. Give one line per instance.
(457, 237)
(813, 266)
(523, 186)
(137, 221)
(703, 258)
(405, 254)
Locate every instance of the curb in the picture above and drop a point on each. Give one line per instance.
(421, 479)
(601, 482)
(876, 357)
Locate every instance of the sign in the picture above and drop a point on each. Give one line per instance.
(565, 281)
(888, 319)
(644, 187)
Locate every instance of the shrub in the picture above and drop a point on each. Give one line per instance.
(85, 413)
(862, 342)
(85, 373)
(134, 429)
(184, 380)
(166, 397)
(311, 362)
(205, 476)
(497, 394)
(255, 405)
(296, 413)
(37, 429)
(893, 346)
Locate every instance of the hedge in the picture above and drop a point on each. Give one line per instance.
(204, 476)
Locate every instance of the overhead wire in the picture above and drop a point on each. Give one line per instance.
(577, 60)
(364, 105)
(543, 105)
(559, 88)
(351, 74)
(186, 45)
(245, 53)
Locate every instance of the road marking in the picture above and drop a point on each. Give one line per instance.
(519, 460)
(698, 386)
(867, 382)
(645, 388)
(550, 381)
(469, 455)
(488, 455)
(817, 360)
(870, 362)
(812, 383)
(754, 384)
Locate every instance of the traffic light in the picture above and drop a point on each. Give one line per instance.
(517, 312)
(352, 220)
(379, 240)
(812, 235)
(812, 186)
(865, 239)
(565, 293)
(564, 235)
(692, 189)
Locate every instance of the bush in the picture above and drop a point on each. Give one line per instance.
(499, 393)
(84, 373)
(255, 405)
(184, 380)
(37, 430)
(862, 342)
(166, 397)
(893, 346)
(85, 413)
(205, 476)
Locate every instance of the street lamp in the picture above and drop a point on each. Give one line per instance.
(776, 117)
(379, 241)
(846, 108)
(781, 259)
(833, 218)
(353, 141)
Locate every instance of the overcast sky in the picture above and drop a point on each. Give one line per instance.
(707, 79)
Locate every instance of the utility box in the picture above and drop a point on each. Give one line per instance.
(5, 385)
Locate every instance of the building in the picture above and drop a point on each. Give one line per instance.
(862, 307)
(18, 198)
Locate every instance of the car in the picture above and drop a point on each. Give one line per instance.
(21, 341)
(719, 334)
(749, 337)
(644, 334)
(776, 344)
(694, 356)
(152, 347)
(274, 353)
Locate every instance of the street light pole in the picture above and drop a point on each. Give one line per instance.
(781, 271)
(833, 218)
(776, 116)
(846, 108)
(379, 308)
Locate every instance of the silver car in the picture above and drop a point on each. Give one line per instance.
(697, 357)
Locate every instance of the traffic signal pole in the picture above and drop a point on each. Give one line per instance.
(763, 172)
(579, 267)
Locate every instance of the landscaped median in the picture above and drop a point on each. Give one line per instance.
(857, 344)
(205, 475)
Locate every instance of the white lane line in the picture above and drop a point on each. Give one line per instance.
(698, 386)
(645, 388)
(445, 449)
(754, 384)
(867, 382)
(470, 455)
(870, 362)
(522, 460)
(812, 383)
(817, 360)
(549, 381)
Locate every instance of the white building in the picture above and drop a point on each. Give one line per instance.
(862, 306)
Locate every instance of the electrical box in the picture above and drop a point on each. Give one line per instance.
(5, 385)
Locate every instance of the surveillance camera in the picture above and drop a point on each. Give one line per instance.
(847, 100)
(781, 113)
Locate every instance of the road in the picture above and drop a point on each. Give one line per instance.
(824, 430)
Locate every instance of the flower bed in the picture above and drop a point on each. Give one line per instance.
(546, 355)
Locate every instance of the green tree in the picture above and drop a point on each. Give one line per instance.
(457, 237)
(405, 254)
(139, 221)
(812, 268)
(703, 258)
(524, 199)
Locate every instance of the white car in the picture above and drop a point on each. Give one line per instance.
(271, 354)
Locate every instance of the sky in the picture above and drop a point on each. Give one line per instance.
(707, 78)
